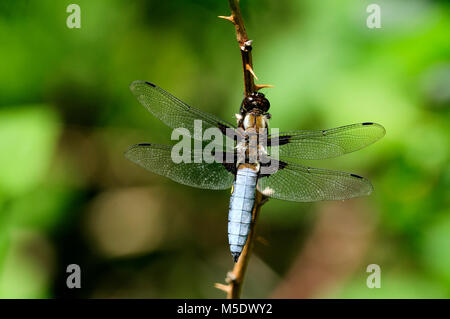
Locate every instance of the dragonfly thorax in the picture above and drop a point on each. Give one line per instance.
(255, 121)
(253, 142)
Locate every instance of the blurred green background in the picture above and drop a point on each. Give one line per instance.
(67, 194)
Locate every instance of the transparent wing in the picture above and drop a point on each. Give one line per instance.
(299, 183)
(173, 112)
(157, 159)
(321, 144)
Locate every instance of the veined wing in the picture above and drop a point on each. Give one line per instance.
(157, 159)
(299, 183)
(173, 112)
(321, 144)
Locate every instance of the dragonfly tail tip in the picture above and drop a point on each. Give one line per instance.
(235, 256)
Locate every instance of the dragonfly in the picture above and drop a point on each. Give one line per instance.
(280, 177)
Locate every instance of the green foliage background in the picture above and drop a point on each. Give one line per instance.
(67, 195)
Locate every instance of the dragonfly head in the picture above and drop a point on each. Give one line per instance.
(257, 101)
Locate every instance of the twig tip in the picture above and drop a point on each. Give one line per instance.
(229, 18)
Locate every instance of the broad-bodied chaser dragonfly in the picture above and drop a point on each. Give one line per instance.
(286, 180)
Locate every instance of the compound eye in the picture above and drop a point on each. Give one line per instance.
(265, 105)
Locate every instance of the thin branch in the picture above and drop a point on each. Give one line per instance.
(245, 47)
(235, 278)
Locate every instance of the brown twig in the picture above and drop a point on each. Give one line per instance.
(235, 278)
(245, 46)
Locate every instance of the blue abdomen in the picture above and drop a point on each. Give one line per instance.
(240, 213)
